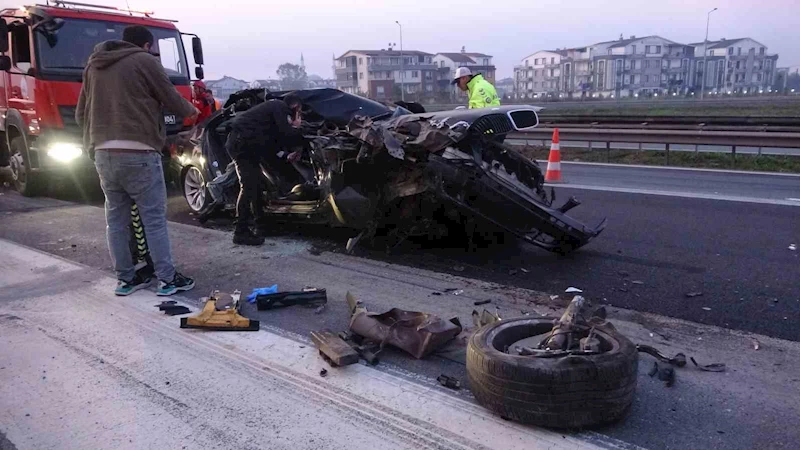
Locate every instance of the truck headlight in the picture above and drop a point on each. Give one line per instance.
(64, 152)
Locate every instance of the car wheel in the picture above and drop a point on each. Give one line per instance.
(25, 180)
(194, 189)
(566, 392)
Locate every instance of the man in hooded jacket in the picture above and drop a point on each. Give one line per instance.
(120, 110)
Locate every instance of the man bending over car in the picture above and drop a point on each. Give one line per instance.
(260, 134)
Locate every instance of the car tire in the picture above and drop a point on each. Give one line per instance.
(566, 392)
(194, 189)
(26, 181)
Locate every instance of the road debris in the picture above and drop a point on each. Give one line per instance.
(654, 370)
(334, 349)
(793, 247)
(513, 272)
(706, 308)
(756, 344)
(458, 268)
(262, 291)
(484, 318)
(171, 308)
(678, 360)
(454, 291)
(714, 367)
(436, 293)
(637, 282)
(449, 382)
(694, 294)
(367, 350)
(212, 319)
(667, 374)
(482, 302)
(310, 297)
(553, 298)
(319, 309)
(524, 270)
(323, 373)
(573, 290)
(419, 334)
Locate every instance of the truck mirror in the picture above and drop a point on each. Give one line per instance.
(198, 73)
(3, 36)
(197, 50)
(5, 63)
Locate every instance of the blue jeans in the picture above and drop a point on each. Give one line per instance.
(128, 177)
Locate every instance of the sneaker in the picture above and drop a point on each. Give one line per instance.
(178, 284)
(125, 288)
(247, 238)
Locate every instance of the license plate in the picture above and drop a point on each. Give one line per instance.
(170, 119)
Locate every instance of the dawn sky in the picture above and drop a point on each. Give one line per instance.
(249, 39)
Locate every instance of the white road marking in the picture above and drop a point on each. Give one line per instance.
(728, 198)
(792, 199)
(85, 369)
(686, 169)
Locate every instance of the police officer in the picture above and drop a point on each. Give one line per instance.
(481, 93)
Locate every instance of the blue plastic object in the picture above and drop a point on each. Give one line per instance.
(262, 291)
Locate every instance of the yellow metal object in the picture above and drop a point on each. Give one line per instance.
(211, 319)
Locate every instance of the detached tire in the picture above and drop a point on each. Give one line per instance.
(567, 392)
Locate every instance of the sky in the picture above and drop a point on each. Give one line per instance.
(249, 39)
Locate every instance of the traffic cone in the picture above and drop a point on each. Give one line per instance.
(553, 174)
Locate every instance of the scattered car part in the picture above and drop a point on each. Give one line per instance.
(211, 319)
(262, 291)
(419, 334)
(310, 298)
(713, 367)
(573, 290)
(449, 382)
(484, 318)
(171, 308)
(694, 294)
(482, 302)
(323, 373)
(335, 350)
(667, 374)
(562, 391)
(678, 360)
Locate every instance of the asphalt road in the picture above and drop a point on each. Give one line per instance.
(737, 185)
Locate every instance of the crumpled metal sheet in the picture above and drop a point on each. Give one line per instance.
(410, 133)
(419, 334)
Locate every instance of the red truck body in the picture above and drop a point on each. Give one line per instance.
(47, 49)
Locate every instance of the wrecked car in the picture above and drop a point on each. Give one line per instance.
(390, 174)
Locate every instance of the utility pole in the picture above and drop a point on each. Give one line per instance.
(402, 67)
(705, 53)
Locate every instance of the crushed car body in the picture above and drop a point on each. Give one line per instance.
(392, 174)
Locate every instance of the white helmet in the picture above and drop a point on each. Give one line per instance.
(461, 72)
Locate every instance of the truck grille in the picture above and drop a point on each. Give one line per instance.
(68, 116)
(492, 124)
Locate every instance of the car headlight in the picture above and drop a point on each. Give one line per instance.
(64, 152)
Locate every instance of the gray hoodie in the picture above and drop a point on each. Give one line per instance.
(123, 92)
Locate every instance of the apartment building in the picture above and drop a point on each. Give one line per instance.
(447, 63)
(539, 74)
(378, 73)
(645, 66)
(740, 65)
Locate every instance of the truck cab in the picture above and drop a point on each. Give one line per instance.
(43, 52)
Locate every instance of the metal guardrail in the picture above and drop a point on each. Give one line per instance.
(691, 137)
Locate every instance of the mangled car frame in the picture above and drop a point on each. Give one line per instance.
(391, 174)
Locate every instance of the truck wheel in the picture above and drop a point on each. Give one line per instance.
(25, 180)
(565, 392)
(194, 190)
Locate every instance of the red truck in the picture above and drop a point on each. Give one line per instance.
(44, 49)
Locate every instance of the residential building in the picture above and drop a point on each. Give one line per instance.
(646, 66)
(269, 84)
(316, 81)
(740, 65)
(447, 63)
(539, 74)
(225, 86)
(380, 74)
(504, 87)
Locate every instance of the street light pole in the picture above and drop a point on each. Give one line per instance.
(705, 53)
(402, 68)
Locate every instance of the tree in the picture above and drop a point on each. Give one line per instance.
(292, 76)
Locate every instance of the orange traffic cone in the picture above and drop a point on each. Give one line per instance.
(553, 174)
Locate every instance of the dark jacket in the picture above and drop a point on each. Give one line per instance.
(124, 90)
(264, 127)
